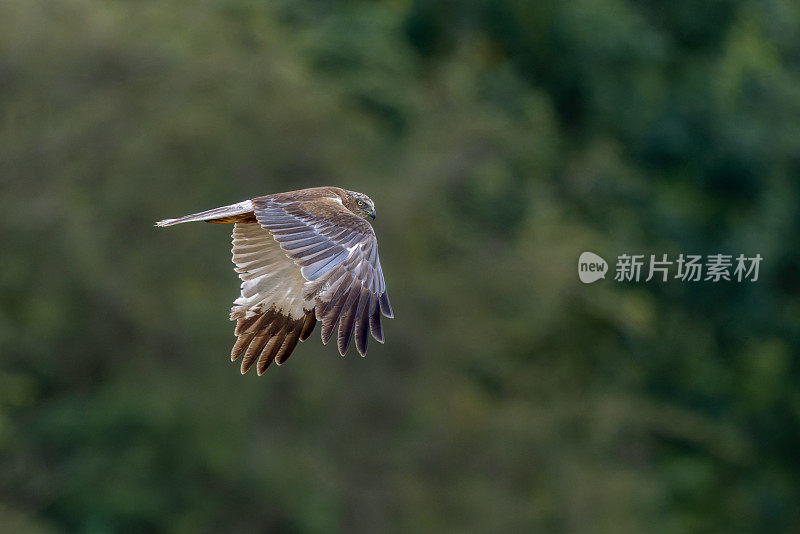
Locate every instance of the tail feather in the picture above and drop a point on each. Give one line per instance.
(231, 213)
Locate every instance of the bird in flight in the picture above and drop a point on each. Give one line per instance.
(303, 256)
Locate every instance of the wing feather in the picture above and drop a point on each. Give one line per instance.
(348, 317)
(337, 254)
(375, 326)
(271, 348)
(308, 326)
(271, 312)
(362, 325)
(289, 343)
(330, 312)
(255, 347)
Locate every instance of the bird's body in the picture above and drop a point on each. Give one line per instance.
(303, 256)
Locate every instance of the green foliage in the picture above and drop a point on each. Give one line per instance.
(499, 140)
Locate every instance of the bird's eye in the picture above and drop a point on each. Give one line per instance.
(360, 202)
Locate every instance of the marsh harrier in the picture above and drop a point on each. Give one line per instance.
(303, 256)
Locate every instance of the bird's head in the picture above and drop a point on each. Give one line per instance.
(360, 204)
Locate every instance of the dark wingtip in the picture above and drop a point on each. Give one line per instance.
(362, 336)
(362, 324)
(375, 326)
(289, 343)
(309, 323)
(345, 335)
(386, 308)
(326, 332)
(239, 347)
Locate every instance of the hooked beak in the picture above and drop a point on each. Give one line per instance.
(371, 213)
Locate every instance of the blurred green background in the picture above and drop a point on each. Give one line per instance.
(499, 139)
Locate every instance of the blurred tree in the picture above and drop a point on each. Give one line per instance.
(499, 140)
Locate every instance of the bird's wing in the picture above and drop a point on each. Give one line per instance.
(271, 313)
(337, 253)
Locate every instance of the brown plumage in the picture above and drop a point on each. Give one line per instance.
(303, 256)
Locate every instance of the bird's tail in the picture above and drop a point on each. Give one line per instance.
(224, 214)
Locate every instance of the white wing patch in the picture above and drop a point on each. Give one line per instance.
(269, 278)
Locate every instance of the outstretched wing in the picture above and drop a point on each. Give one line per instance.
(337, 253)
(271, 314)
